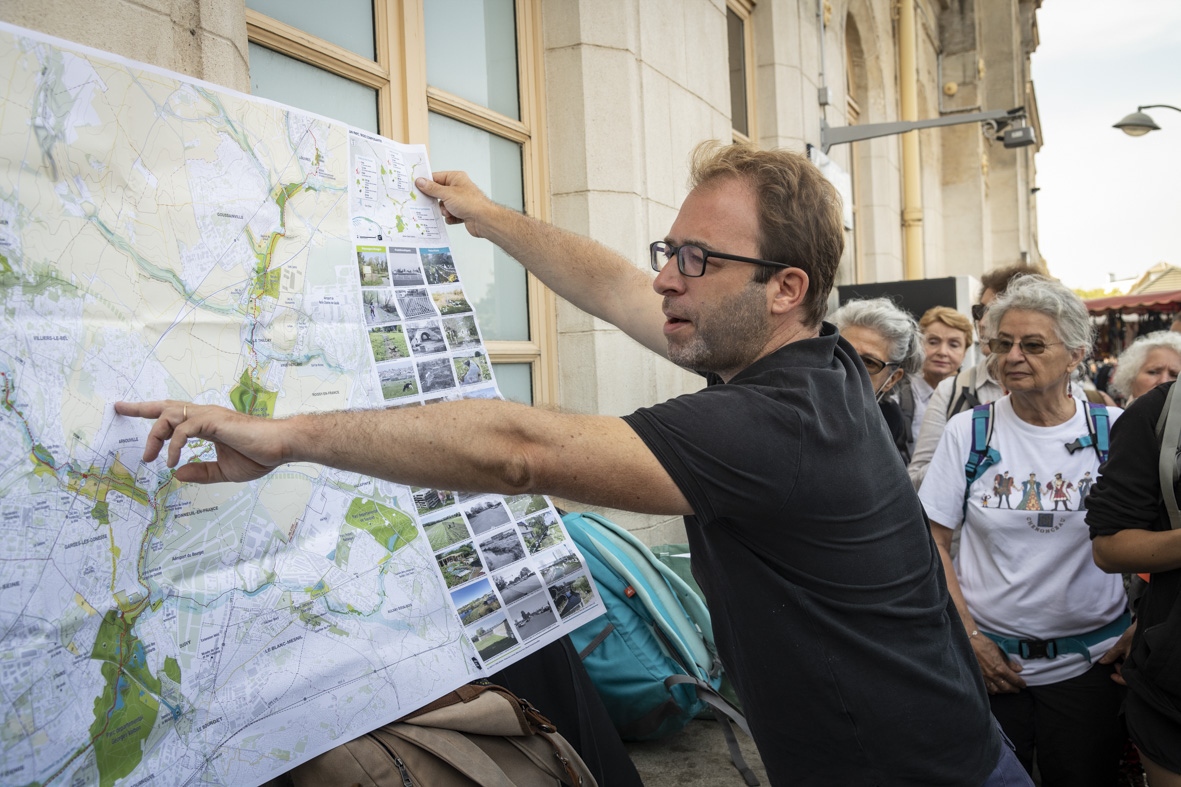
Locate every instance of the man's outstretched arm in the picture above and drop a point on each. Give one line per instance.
(580, 270)
(472, 445)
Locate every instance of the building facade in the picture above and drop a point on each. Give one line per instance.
(583, 113)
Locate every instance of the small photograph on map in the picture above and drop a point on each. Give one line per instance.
(436, 374)
(515, 584)
(502, 549)
(397, 380)
(562, 562)
(523, 505)
(482, 393)
(415, 303)
(472, 368)
(426, 337)
(532, 616)
(444, 531)
(439, 267)
(572, 595)
(541, 532)
(492, 636)
(427, 500)
(474, 601)
(374, 267)
(486, 515)
(388, 343)
(379, 306)
(459, 565)
(461, 332)
(450, 300)
(464, 497)
(404, 267)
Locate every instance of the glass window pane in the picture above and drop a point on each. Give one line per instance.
(294, 82)
(515, 381)
(471, 51)
(734, 27)
(494, 282)
(346, 23)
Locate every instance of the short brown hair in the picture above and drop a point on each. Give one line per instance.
(800, 220)
(949, 317)
(998, 279)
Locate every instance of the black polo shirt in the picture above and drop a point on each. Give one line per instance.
(828, 599)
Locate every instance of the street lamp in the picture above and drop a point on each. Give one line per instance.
(1139, 123)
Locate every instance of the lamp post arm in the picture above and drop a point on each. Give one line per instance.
(1158, 106)
(840, 135)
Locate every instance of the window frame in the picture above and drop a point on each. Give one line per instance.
(744, 10)
(405, 101)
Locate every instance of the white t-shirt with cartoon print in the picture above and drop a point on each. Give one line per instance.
(1025, 563)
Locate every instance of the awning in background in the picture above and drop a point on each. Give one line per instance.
(1141, 303)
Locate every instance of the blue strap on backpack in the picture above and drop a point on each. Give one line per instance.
(981, 456)
(652, 655)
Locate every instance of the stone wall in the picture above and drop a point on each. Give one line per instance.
(205, 39)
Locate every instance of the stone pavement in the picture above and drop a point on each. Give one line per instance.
(694, 757)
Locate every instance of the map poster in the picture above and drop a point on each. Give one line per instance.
(161, 237)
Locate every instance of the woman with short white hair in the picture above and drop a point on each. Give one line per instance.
(1044, 621)
(890, 345)
(1152, 359)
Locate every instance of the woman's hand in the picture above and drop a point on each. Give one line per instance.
(1118, 652)
(1000, 674)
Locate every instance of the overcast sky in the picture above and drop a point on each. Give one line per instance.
(1109, 203)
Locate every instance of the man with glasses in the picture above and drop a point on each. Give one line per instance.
(830, 608)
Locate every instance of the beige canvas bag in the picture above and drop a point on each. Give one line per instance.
(476, 736)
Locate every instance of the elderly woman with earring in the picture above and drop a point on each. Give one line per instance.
(1045, 622)
(890, 346)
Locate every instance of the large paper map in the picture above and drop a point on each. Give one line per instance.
(165, 238)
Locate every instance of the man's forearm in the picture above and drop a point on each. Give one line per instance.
(469, 445)
(493, 446)
(1138, 550)
(582, 271)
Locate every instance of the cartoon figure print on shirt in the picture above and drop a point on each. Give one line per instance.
(1031, 494)
(1002, 487)
(1084, 488)
(1059, 490)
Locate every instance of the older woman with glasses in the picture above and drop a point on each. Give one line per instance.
(890, 346)
(1045, 622)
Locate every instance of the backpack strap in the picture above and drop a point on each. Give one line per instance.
(963, 392)
(980, 457)
(1168, 430)
(727, 716)
(1098, 431)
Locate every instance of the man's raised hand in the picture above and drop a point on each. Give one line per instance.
(460, 200)
(248, 447)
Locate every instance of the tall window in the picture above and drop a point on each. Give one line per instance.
(462, 76)
(740, 41)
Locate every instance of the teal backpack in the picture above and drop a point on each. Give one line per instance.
(651, 656)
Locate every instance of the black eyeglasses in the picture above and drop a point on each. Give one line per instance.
(978, 311)
(691, 259)
(873, 365)
(1028, 346)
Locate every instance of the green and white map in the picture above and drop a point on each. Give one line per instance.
(164, 238)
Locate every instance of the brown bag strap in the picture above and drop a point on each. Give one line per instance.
(453, 748)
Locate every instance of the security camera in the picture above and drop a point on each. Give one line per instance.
(1018, 137)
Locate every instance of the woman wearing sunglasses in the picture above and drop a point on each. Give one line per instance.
(890, 345)
(1046, 624)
